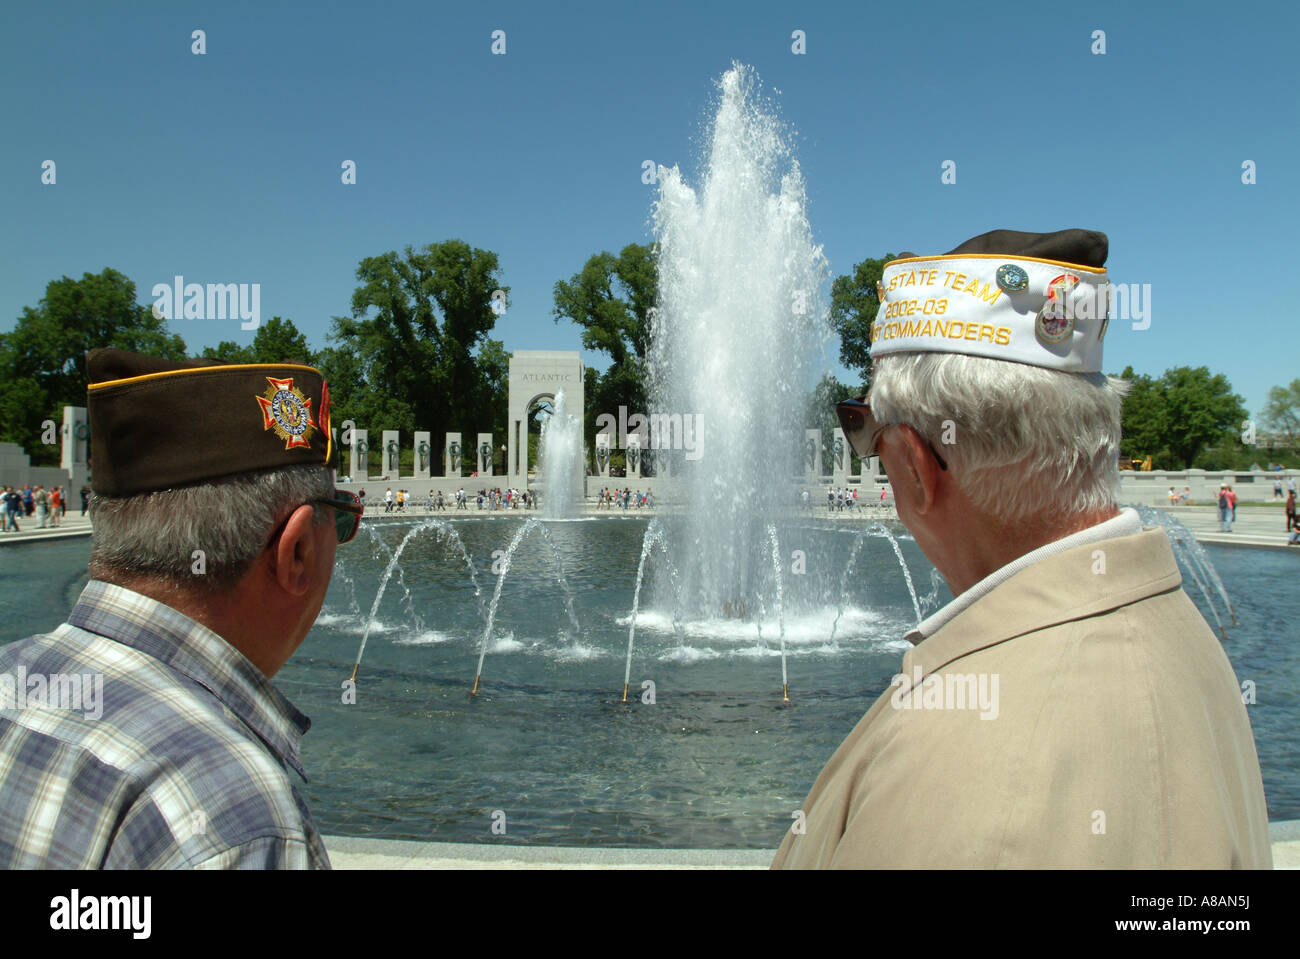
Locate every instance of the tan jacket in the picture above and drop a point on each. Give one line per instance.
(1117, 737)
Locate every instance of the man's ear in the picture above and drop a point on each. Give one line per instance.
(922, 470)
(293, 555)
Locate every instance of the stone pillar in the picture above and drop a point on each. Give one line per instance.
(812, 457)
(452, 455)
(839, 458)
(390, 465)
(602, 455)
(359, 464)
(423, 455)
(634, 453)
(484, 457)
(517, 451)
(76, 434)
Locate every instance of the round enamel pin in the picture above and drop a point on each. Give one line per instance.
(1012, 279)
(1055, 321)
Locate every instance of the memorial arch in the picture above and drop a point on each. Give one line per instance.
(537, 375)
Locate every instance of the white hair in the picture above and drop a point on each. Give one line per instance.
(155, 535)
(1022, 441)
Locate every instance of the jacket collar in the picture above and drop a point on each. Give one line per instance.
(1088, 580)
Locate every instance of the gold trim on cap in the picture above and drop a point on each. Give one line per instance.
(1004, 257)
(218, 368)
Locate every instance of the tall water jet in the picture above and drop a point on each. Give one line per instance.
(738, 329)
(560, 452)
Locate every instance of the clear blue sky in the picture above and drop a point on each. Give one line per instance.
(226, 167)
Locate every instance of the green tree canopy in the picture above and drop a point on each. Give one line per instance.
(1179, 417)
(1282, 414)
(43, 359)
(854, 302)
(409, 355)
(611, 299)
(276, 341)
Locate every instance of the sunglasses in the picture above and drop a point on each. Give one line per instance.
(863, 432)
(347, 515)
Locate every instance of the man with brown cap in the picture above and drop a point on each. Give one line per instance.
(145, 731)
(1070, 708)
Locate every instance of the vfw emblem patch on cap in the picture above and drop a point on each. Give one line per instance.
(287, 411)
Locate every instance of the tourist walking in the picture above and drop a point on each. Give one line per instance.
(1225, 505)
(13, 503)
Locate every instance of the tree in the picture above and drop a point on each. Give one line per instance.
(611, 299)
(493, 364)
(854, 302)
(43, 359)
(1185, 415)
(276, 341)
(1201, 409)
(1144, 422)
(228, 351)
(1282, 414)
(820, 414)
(418, 330)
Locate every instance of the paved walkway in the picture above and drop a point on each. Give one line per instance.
(347, 852)
(73, 524)
(1255, 526)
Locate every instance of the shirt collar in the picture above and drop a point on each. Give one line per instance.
(190, 648)
(1125, 524)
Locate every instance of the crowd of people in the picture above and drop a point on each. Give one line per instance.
(624, 498)
(403, 501)
(840, 498)
(46, 506)
(1226, 504)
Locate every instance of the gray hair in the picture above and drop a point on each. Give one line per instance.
(1022, 441)
(155, 535)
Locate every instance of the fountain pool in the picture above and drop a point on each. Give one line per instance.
(717, 761)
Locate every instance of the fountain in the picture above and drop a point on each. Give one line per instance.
(561, 461)
(737, 332)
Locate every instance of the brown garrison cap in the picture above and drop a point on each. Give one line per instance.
(156, 424)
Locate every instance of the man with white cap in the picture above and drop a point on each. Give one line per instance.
(1070, 707)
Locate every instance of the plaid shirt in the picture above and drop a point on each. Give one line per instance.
(181, 761)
